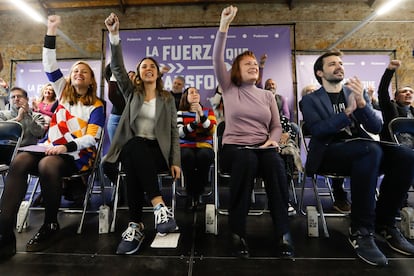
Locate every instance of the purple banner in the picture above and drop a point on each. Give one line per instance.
(188, 51)
(31, 77)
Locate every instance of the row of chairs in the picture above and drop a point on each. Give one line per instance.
(398, 128)
(11, 134)
(10, 138)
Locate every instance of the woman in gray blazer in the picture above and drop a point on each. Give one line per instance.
(146, 141)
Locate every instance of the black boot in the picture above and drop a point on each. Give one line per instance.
(240, 247)
(286, 249)
(44, 238)
(7, 246)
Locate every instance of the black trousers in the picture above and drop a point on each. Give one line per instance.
(196, 164)
(142, 160)
(244, 165)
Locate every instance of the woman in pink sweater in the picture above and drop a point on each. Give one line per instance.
(250, 143)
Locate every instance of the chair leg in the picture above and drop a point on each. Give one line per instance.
(329, 186)
(173, 196)
(116, 198)
(292, 186)
(302, 195)
(90, 182)
(320, 207)
(19, 226)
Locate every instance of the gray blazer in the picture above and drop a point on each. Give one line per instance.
(165, 116)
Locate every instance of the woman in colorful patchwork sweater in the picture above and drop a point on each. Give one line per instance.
(196, 126)
(73, 133)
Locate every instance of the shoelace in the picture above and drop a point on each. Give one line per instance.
(130, 232)
(162, 215)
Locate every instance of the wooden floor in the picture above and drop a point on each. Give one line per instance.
(197, 253)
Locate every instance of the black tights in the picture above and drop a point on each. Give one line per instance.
(50, 170)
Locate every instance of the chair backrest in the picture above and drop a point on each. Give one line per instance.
(11, 134)
(305, 136)
(217, 143)
(402, 131)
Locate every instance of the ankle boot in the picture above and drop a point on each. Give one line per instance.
(286, 249)
(240, 247)
(44, 238)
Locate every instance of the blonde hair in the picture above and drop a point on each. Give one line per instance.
(69, 93)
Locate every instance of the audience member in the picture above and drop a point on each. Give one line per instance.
(334, 115)
(401, 106)
(146, 141)
(117, 100)
(341, 202)
(249, 143)
(177, 89)
(196, 125)
(33, 123)
(281, 101)
(70, 147)
(310, 88)
(290, 153)
(47, 103)
(4, 94)
(217, 104)
(372, 98)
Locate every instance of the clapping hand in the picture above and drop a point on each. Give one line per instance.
(355, 85)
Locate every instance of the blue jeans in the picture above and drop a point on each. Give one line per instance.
(113, 121)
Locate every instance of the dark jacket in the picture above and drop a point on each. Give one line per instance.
(323, 123)
(389, 108)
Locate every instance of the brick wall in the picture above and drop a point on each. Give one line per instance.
(317, 27)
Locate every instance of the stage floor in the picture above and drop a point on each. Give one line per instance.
(197, 253)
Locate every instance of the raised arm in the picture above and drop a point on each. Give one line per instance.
(50, 65)
(384, 98)
(117, 61)
(220, 69)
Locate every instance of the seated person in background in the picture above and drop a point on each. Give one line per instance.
(47, 103)
(290, 153)
(177, 89)
(145, 141)
(4, 94)
(334, 115)
(281, 101)
(117, 100)
(70, 147)
(33, 123)
(196, 126)
(401, 106)
(217, 104)
(372, 98)
(252, 119)
(310, 88)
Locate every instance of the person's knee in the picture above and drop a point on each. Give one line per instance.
(50, 165)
